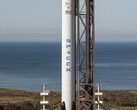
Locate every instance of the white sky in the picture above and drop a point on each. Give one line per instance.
(40, 20)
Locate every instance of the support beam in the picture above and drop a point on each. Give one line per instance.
(86, 60)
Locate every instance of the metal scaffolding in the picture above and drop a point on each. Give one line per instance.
(86, 64)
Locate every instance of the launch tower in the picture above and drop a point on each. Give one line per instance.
(86, 63)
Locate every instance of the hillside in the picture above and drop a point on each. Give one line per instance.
(11, 99)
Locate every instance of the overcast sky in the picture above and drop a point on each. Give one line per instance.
(40, 20)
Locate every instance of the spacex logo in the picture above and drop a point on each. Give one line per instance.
(68, 55)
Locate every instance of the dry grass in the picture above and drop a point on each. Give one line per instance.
(15, 96)
(111, 99)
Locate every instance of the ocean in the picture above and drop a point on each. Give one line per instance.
(26, 65)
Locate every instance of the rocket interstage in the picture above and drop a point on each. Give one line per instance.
(68, 53)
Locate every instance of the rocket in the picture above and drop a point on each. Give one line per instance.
(68, 53)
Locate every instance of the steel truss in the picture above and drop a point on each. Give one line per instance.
(86, 63)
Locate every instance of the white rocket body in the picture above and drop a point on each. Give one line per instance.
(68, 53)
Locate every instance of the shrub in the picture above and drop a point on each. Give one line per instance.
(27, 106)
(11, 107)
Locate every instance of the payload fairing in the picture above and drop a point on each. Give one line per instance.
(68, 53)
